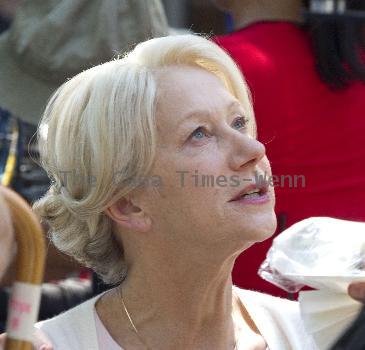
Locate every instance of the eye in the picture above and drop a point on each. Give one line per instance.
(198, 134)
(240, 122)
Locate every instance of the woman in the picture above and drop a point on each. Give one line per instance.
(127, 144)
(308, 85)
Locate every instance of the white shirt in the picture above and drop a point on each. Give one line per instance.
(277, 319)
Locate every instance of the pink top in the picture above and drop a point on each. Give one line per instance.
(105, 340)
(278, 320)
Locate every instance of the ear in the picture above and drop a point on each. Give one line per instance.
(128, 215)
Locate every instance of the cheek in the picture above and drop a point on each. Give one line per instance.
(185, 207)
(182, 196)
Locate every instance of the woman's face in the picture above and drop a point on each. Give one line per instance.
(205, 158)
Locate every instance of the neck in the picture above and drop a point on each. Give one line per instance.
(266, 10)
(175, 297)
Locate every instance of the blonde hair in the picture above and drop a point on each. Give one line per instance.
(101, 123)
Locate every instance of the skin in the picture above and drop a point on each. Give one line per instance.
(357, 291)
(245, 12)
(180, 243)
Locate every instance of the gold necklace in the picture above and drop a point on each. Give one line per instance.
(131, 321)
(135, 328)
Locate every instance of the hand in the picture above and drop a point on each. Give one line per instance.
(356, 291)
(40, 342)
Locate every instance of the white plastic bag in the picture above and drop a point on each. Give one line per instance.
(326, 254)
(321, 252)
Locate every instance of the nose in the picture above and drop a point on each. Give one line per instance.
(246, 152)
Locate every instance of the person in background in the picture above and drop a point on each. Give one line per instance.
(304, 63)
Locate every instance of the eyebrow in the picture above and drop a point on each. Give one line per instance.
(203, 114)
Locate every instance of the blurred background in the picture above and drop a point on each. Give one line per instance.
(198, 15)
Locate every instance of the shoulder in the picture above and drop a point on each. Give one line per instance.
(278, 319)
(73, 329)
(268, 302)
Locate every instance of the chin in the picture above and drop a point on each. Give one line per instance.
(261, 228)
(268, 231)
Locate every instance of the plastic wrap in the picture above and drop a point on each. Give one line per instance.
(321, 252)
(326, 254)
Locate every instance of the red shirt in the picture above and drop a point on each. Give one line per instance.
(307, 128)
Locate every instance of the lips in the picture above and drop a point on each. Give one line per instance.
(261, 188)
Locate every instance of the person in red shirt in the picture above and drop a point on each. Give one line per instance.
(306, 76)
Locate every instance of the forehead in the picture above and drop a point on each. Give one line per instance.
(183, 89)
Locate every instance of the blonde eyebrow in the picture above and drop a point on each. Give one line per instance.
(203, 114)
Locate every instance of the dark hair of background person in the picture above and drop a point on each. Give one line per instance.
(339, 45)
